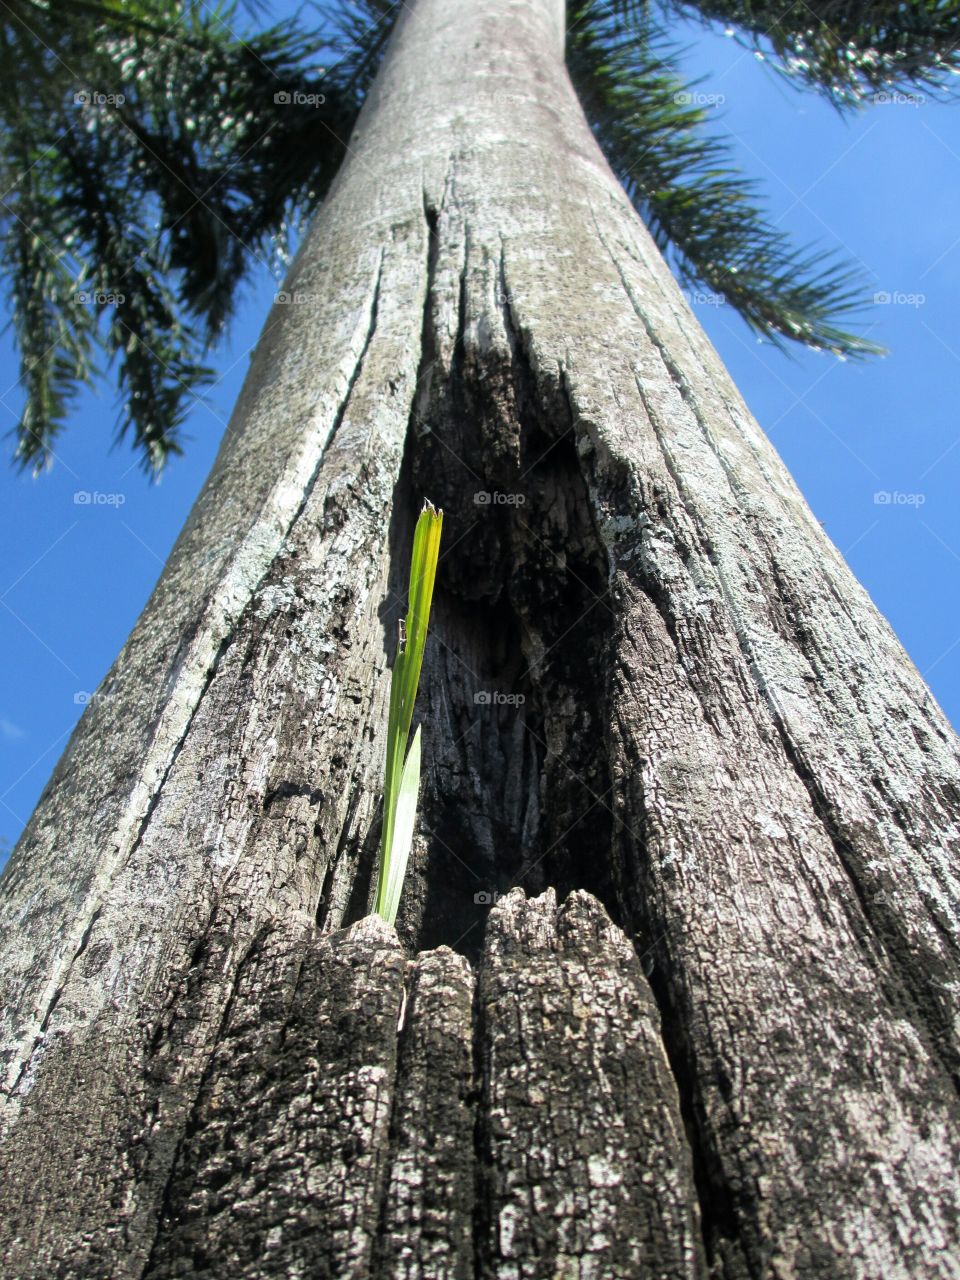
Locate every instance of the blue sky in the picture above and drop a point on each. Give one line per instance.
(882, 186)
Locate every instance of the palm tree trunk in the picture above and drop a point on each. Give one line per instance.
(653, 686)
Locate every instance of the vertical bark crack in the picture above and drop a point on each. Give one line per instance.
(125, 852)
(910, 991)
(165, 1200)
(355, 373)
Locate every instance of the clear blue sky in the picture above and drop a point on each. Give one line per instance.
(883, 186)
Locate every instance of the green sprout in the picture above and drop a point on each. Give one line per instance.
(402, 780)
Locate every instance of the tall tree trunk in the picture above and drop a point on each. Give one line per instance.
(653, 694)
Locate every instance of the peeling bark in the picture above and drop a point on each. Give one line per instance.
(653, 693)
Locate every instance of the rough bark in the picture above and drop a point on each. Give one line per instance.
(341, 1129)
(720, 740)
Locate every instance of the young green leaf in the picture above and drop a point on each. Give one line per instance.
(405, 817)
(402, 775)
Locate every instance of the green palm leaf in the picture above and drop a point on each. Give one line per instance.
(170, 196)
(402, 774)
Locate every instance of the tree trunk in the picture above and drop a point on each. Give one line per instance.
(653, 692)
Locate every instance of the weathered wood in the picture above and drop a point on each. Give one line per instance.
(282, 1165)
(430, 1206)
(688, 708)
(588, 1168)
(334, 1132)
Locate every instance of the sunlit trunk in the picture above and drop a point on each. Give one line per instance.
(652, 684)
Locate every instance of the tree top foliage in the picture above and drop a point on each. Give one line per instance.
(150, 158)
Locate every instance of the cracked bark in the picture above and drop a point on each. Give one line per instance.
(693, 716)
(327, 1143)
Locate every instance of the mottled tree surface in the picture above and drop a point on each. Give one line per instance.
(325, 1141)
(732, 1049)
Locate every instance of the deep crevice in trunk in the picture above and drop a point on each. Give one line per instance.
(529, 578)
(719, 1209)
(521, 628)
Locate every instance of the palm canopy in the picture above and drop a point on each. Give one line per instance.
(150, 159)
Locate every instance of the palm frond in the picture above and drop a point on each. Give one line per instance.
(653, 128)
(155, 150)
(154, 154)
(851, 50)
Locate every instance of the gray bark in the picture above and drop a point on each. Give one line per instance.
(720, 741)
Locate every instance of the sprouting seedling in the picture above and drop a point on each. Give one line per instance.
(402, 779)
